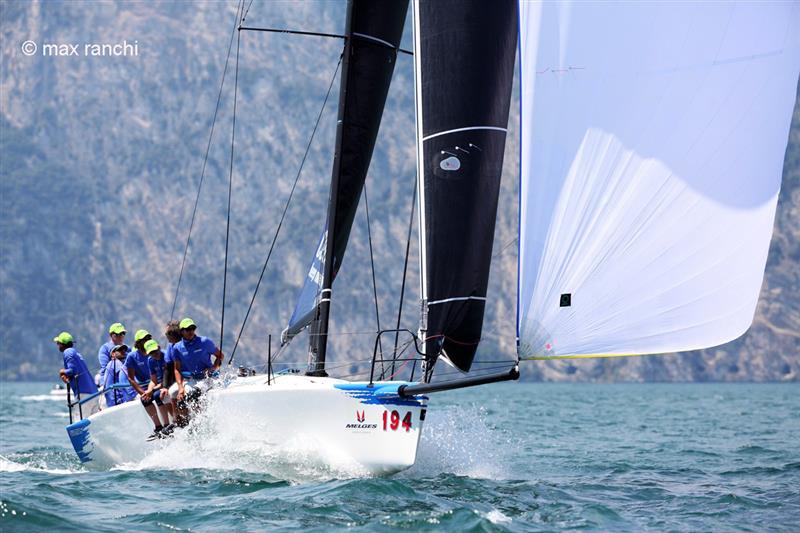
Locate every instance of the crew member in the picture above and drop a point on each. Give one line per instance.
(116, 376)
(160, 395)
(117, 333)
(138, 374)
(76, 374)
(192, 365)
(173, 334)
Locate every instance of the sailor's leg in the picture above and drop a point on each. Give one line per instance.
(181, 409)
(163, 414)
(151, 412)
(169, 405)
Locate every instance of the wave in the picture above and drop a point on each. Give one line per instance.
(44, 397)
(7, 465)
(458, 440)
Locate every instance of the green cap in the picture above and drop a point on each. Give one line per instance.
(140, 334)
(150, 346)
(63, 338)
(117, 328)
(187, 323)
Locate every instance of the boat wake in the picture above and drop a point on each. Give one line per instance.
(459, 440)
(44, 398)
(8, 465)
(226, 440)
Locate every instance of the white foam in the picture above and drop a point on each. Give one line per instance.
(222, 441)
(458, 440)
(44, 398)
(496, 517)
(7, 465)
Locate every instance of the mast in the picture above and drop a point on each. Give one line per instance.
(372, 36)
(318, 338)
(423, 286)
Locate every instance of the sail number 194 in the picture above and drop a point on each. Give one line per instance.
(392, 421)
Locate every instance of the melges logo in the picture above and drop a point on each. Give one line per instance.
(361, 418)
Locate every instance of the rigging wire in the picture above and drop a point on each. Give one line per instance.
(230, 193)
(283, 215)
(244, 17)
(374, 284)
(405, 273)
(205, 161)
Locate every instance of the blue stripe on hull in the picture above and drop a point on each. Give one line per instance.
(380, 394)
(79, 435)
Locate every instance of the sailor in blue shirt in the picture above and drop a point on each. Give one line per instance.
(155, 362)
(116, 375)
(139, 372)
(117, 333)
(173, 334)
(77, 375)
(192, 364)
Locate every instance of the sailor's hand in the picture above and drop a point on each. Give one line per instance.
(179, 397)
(63, 375)
(146, 396)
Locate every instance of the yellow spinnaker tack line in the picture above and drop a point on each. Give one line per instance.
(584, 356)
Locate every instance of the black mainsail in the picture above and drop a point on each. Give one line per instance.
(373, 32)
(464, 66)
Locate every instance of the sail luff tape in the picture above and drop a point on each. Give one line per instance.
(431, 136)
(456, 299)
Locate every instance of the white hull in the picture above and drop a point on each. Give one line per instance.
(345, 422)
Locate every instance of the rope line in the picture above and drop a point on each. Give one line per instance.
(374, 283)
(405, 274)
(283, 215)
(205, 161)
(230, 193)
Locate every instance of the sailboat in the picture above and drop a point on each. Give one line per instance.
(652, 141)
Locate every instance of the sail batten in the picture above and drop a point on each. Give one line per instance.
(651, 159)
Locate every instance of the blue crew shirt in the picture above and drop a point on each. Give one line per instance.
(103, 357)
(115, 374)
(138, 362)
(156, 367)
(169, 354)
(195, 355)
(80, 379)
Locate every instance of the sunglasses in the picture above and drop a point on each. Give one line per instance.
(121, 333)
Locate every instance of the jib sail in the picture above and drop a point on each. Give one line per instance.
(464, 66)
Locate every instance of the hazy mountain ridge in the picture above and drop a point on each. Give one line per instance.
(101, 158)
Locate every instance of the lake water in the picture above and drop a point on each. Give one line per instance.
(506, 457)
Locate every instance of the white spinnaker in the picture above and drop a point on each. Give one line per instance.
(652, 146)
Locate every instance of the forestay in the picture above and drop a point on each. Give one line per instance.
(652, 142)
